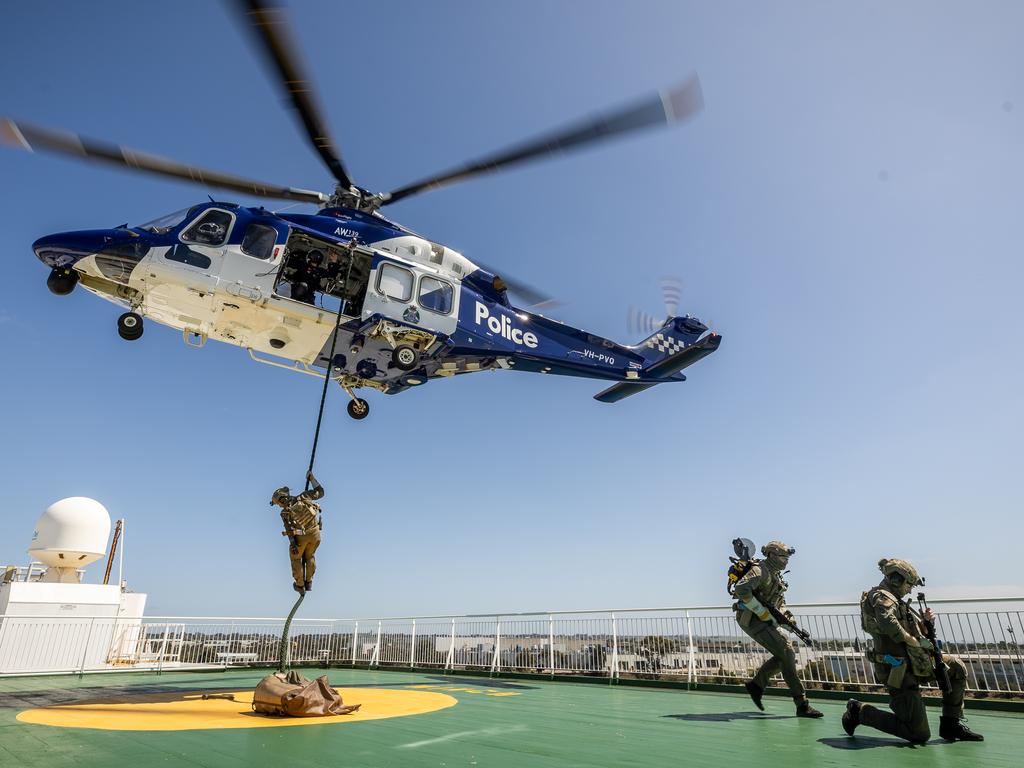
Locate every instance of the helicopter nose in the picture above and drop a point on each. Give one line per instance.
(66, 248)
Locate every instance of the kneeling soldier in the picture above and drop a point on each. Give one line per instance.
(902, 659)
(302, 523)
(763, 583)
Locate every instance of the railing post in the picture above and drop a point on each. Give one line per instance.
(613, 673)
(355, 642)
(113, 634)
(450, 663)
(691, 660)
(375, 659)
(85, 651)
(551, 644)
(496, 661)
(412, 649)
(163, 648)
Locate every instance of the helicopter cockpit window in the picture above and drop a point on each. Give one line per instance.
(259, 241)
(209, 229)
(395, 282)
(164, 224)
(436, 295)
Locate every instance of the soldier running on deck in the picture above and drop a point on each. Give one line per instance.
(302, 520)
(763, 583)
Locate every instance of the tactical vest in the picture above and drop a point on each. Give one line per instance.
(301, 515)
(868, 620)
(773, 590)
(919, 660)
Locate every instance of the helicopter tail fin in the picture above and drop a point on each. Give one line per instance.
(676, 346)
(674, 336)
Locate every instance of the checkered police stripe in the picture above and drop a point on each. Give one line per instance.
(663, 343)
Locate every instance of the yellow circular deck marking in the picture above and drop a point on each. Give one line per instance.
(188, 711)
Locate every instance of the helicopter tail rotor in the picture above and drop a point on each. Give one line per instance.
(638, 321)
(671, 293)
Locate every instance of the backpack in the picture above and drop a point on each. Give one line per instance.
(741, 563)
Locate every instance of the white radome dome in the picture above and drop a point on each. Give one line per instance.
(71, 533)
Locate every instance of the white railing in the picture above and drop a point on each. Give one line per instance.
(692, 645)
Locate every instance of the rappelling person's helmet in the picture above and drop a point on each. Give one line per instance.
(280, 495)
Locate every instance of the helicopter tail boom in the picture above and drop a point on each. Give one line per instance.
(663, 368)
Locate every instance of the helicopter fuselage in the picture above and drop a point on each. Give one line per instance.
(407, 310)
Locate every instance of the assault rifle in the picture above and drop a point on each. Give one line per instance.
(941, 676)
(784, 621)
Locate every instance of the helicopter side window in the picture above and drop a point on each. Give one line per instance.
(436, 295)
(186, 255)
(395, 282)
(209, 229)
(259, 241)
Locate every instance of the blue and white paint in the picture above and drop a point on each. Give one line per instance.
(222, 292)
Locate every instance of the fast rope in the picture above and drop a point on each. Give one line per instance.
(284, 659)
(284, 655)
(323, 394)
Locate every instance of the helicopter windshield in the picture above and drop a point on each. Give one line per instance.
(165, 223)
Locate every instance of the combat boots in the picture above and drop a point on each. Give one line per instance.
(851, 717)
(804, 709)
(756, 692)
(954, 729)
(309, 586)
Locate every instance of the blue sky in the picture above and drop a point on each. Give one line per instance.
(846, 210)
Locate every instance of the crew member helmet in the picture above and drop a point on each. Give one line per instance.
(280, 494)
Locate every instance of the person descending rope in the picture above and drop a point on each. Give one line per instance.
(303, 521)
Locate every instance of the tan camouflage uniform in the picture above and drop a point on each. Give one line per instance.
(301, 516)
(770, 587)
(890, 623)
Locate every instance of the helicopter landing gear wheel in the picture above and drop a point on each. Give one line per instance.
(404, 357)
(62, 281)
(129, 326)
(358, 408)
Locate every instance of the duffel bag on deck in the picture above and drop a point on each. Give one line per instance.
(293, 695)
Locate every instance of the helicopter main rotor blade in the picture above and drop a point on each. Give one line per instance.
(32, 138)
(270, 21)
(664, 108)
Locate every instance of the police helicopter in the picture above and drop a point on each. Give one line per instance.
(396, 309)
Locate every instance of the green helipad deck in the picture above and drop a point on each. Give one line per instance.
(412, 719)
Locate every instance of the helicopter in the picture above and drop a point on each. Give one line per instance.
(346, 292)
